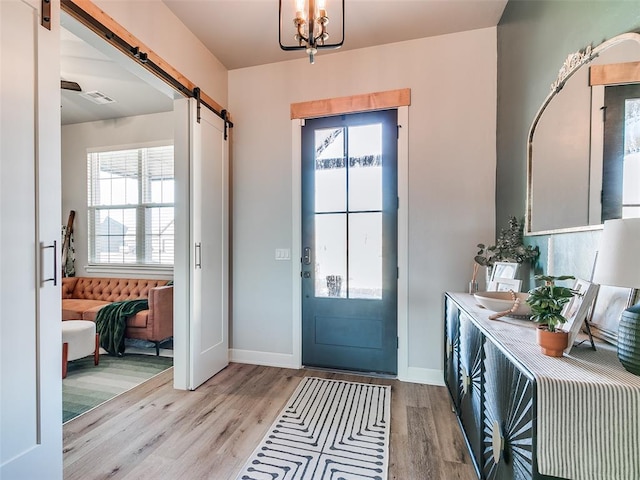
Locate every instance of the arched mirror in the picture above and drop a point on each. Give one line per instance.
(583, 162)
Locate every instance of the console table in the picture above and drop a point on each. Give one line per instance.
(528, 416)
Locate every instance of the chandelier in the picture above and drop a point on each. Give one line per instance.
(309, 31)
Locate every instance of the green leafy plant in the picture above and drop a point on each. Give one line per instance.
(548, 300)
(509, 247)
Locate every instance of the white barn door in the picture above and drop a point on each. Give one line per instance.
(30, 219)
(205, 302)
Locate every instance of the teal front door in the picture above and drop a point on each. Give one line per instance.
(349, 242)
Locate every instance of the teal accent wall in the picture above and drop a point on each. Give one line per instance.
(534, 39)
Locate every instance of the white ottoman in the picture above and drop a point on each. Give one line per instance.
(79, 339)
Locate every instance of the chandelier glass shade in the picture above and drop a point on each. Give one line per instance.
(303, 25)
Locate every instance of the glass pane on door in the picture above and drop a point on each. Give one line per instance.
(330, 171)
(365, 255)
(331, 255)
(365, 167)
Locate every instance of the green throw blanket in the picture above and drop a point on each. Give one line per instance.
(111, 323)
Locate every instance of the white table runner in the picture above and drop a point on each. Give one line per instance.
(588, 405)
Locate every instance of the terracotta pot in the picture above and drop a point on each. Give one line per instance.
(552, 343)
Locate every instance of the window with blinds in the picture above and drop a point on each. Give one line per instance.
(131, 206)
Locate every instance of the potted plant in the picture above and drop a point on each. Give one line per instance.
(547, 302)
(509, 247)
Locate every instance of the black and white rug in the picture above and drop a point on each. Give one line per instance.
(328, 430)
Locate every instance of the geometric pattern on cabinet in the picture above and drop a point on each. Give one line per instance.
(495, 401)
(452, 351)
(470, 384)
(508, 419)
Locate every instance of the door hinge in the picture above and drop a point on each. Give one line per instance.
(46, 14)
(397, 273)
(398, 127)
(397, 342)
(397, 203)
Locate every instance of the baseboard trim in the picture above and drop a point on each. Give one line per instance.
(268, 359)
(427, 376)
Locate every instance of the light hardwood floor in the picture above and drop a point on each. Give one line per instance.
(155, 432)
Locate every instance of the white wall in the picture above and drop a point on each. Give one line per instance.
(452, 143)
(153, 23)
(76, 139)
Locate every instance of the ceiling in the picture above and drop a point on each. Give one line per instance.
(244, 33)
(92, 70)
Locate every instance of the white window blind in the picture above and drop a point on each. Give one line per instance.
(131, 206)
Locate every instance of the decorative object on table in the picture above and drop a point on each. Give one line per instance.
(504, 285)
(604, 317)
(473, 284)
(576, 310)
(503, 301)
(618, 265)
(629, 339)
(513, 309)
(504, 270)
(509, 247)
(547, 303)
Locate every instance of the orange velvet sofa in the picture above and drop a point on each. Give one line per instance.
(83, 297)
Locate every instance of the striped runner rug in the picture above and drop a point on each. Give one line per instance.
(329, 429)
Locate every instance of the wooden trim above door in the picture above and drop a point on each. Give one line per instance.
(352, 104)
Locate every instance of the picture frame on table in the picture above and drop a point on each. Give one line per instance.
(577, 309)
(610, 302)
(504, 285)
(503, 270)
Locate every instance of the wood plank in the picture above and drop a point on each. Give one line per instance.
(154, 431)
(109, 22)
(352, 104)
(451, 444)
(614, 73)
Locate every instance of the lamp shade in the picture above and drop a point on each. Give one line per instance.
(618, 262)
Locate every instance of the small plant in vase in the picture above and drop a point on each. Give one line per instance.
(509, 247)
(547, 302)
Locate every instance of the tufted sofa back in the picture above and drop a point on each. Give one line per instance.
(108, 289)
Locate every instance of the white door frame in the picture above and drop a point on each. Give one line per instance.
(403, 240)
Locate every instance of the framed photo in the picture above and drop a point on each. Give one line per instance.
(604, 317)
(504, 285)
(576, 310)
(503, 270)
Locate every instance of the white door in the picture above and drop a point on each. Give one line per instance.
(30, 219)
(205, 302)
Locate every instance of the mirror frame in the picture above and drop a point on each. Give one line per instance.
(571, 65)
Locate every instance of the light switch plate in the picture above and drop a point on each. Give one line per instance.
(283, 254)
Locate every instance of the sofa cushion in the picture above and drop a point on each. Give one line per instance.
(74, 308)
(139, 320)
(94, 307)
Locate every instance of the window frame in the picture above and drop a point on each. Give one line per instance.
(140, 207)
